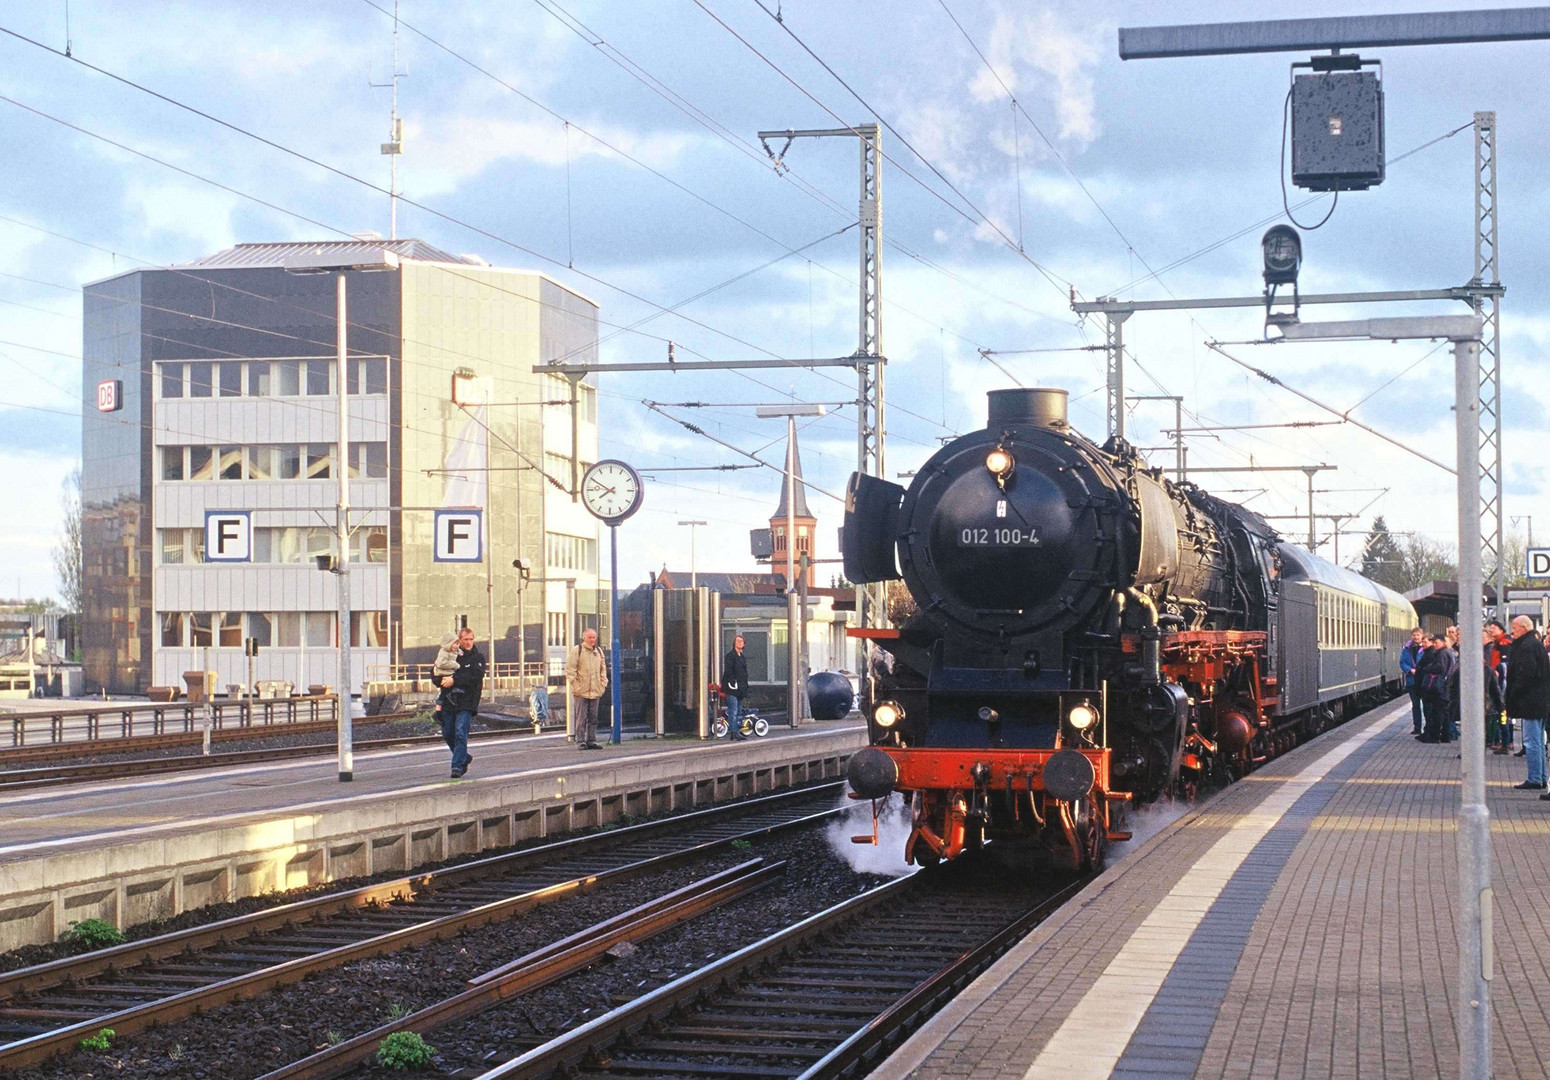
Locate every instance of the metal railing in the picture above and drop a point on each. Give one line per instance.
(126, 720)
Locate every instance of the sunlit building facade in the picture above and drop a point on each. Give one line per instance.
(225, 382)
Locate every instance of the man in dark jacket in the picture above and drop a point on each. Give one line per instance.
(1528, 696)
(734, 686)
(1431, 674)
(1407, 661)
(466, 685)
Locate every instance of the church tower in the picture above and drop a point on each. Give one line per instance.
(802, 521)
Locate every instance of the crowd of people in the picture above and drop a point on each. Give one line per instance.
(1516, 671)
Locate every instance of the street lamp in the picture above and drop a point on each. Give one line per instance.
(694, 577)
(322, 260)
(796, 659)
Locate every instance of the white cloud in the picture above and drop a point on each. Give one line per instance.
(1037, 55)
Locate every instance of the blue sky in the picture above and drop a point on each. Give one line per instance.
(1177, 154)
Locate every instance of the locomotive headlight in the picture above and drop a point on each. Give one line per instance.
(1082, 716)
(888, 713)
(1000, 463)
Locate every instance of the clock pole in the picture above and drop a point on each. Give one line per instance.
(616, 697)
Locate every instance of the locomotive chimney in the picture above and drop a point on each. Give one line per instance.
(1039, 406)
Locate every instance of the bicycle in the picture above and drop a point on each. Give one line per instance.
(751, 724)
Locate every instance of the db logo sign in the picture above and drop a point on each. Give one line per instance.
(1539, 562)
(110, 395)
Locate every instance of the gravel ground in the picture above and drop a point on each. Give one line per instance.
(246, 1039)
(364, 729)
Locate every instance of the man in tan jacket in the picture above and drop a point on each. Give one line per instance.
(586, 673)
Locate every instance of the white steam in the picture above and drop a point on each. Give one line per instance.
(1147, 821)
(893, 829)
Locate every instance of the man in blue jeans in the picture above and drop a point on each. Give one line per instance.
(464, 687)
(1407, 658)
(1528, 696)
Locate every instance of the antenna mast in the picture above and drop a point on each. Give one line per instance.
(395, 144)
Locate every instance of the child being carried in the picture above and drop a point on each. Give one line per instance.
(446, 664)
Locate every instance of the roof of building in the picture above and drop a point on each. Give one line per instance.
(716, 581)
(801, 488)
(260, 255)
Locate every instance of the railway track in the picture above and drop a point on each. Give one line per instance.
(827, 997)
(49, 1008)
(21, 779)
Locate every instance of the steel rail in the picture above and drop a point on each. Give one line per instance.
(541, 967)
(860, 1053)
(37, 1048)
(568, 1053)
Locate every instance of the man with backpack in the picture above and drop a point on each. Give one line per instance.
(1432, 673)
(1407, 661)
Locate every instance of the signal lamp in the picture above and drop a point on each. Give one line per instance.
(888, 713)
(1082, 716)
(1000, 463)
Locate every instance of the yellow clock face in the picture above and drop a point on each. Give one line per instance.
(611, 490)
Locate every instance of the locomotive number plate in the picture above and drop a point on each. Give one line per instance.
(998, 537)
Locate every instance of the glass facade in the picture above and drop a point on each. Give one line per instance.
(116, 533)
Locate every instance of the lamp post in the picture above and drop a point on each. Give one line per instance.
(321, 261)
(796, 659)
(468, 388)
(694, 577)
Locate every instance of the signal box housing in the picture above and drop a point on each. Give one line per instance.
(1337, 131)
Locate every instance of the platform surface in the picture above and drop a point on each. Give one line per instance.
(116, 811)
(1299, 924)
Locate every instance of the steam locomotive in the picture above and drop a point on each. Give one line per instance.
(1089, 635)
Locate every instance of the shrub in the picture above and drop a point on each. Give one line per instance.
(102, 1041)
(93, 934)
(742, 845)
(405, 1050)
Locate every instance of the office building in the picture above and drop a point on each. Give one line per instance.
(211, 386)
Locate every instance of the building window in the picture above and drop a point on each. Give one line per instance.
(288, 629)
(368, 460)
(230, 467)
(172, 380)
(555, 634)
(199, 630)
(199, 373)
(368, 629)
(290, 378)
(290, 462)
(230, 375)
(370, 371)
(570, 552)
(261, 627)
(258, 378)
(229, 635)
(318, 457)
(260, 462)
(318, 382)
(318, 629)
(200, 463)
(172, 462)
(172, 630)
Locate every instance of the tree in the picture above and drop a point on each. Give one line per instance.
(69, 561)
(1381, 557)
(1423, 560)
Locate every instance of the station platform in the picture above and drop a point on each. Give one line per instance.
(1298, 924)
(133, 850)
